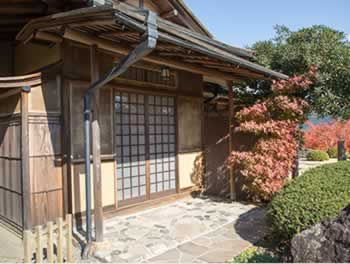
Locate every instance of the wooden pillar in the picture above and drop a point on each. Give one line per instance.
(27, 201)
(230, 130)
(96, 147)
(63, 84)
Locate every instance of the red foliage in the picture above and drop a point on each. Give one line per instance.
(325, 136)
(274, 122)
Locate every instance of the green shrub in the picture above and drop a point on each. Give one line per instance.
(333, 153)
(317, 155)
(318, 194)
(252, 255)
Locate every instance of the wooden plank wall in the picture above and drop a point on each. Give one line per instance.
(45, 155)
(10, 162)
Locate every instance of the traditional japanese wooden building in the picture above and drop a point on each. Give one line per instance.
(156, 125)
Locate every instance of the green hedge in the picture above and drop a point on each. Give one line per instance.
(333, 153)
(252, 255)
(317, 155)
(318, 194)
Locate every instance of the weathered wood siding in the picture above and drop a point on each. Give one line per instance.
(190, 118)
(217, 178)
(45, 154)
(10, 162)
(216, 146)
(31, 57)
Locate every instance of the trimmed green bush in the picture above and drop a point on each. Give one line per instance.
(318, 194)
(333, 153)
(252, 255)
(317, 155)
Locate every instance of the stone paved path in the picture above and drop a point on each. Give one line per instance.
(305, 165)
(192, 230)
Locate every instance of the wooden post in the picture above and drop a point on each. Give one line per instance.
(341, 150)
(96, 147)
(50, 242)
(69, 238)
(27, 212)
(27, 243)
(230, 130)
(60, 240)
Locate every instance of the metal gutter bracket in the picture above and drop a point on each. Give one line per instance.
(148, 44)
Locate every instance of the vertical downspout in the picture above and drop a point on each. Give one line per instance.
(148, 44)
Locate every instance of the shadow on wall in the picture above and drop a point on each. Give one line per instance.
(197, 174)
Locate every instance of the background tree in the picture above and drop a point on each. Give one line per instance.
(293, 53)
(325, 136)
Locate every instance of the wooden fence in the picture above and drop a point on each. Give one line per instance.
(49, 243)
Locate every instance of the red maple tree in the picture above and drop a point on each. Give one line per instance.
(275, 123)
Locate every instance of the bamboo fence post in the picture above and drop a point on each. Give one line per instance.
(50, 242)
(27, 242)
(69, 238)
(39, 246)
(60, 240)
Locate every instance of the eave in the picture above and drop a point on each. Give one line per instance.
(119, 28)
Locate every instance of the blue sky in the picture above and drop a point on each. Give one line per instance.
(242, 22)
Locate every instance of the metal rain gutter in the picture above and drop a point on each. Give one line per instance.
(148, 44)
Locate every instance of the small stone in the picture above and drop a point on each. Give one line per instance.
(103, 256)
(116, 252)
(159, 226)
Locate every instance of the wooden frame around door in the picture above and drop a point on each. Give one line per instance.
(149, 195)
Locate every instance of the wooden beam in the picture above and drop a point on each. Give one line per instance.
(48, 37)
(236, 70)
(159, 60)
(26, 185)
(119, 49)
(96, 146)
(230, 131)
(10, 93)
(119, 34)
(170, 14)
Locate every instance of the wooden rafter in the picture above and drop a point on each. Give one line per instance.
(170, 14)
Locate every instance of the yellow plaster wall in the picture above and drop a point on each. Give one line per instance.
(78, 186)
(187, 168)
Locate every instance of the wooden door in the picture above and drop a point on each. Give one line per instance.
(145, 146)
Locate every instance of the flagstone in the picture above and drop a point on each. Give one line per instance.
(192, 230)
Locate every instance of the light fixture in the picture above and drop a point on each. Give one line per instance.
(165, 73)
